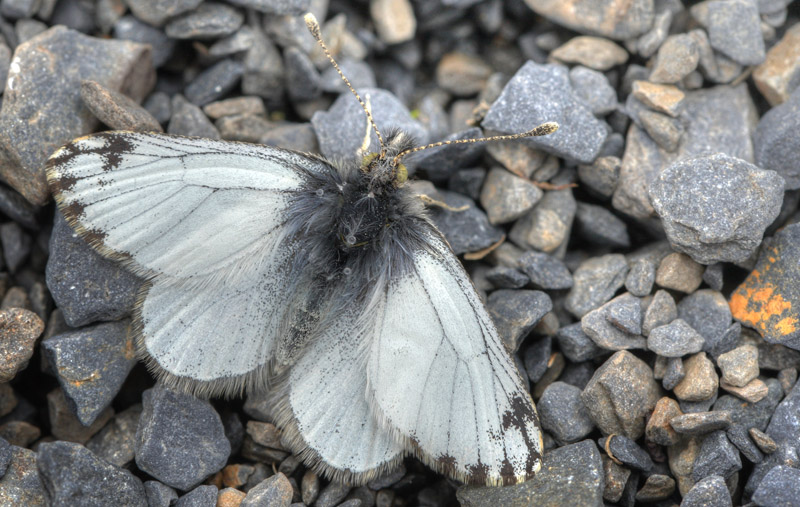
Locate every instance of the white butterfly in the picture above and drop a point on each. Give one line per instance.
(327, 285)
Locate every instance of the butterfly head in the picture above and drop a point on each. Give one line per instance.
(386, 167)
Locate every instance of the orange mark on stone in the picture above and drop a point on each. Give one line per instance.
(760, 306)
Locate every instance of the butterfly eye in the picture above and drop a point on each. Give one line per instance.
(400, 175)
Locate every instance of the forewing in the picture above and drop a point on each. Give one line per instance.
(440, 376)
(324, 412)
(183, 207)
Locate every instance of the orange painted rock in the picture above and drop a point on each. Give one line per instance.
(769, 298)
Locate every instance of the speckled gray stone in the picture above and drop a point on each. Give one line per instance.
(576, 345)
(190, 428)
(776, 140)
(708, 312)
(506, 197)
(72, 475)
(717, 456)
(613, 20)
(625, 312)
(85, 286)
(599, 226)
(641, 277)
(715, 208)
(544, 271)
(595, 282)
(593, 87)
(466, 230)
(562, 413)
(708, 492)
(189, 120)
(628, 452)
(279, 7)
(516, 312)
(605, 333)
(675, 339)
(209, 20)
(214, 82)
(548, 225)
(778, 487)
(543, 93)
(734, 29)
(201, 496)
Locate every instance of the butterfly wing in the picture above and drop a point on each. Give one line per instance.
(324, 413)
(440, 376)
(204, 222)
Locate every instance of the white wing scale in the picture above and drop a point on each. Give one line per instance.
(202, 221)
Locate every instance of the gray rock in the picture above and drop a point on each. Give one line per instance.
(502, 277)
(778, 487)
(332, 494)
(544, 271)
(715, 207)
(506, 197)
(359, 73)
(734, 29)
(628, 452)
(85, 286)
(64, 424)
(15, 207)
(214, 82)
(649, 43)
(674, 373)
(621, 394)
(17, 245)
(616, 21)
(576, 345)
(21, 484)
(717, 456)
(73, 475)
(130, 28)
(573, 476)
(641, 277)
(709, 492)
(601, 176)
(776, 140)
(239, 41)
(263, 69)
(159, 105)
(302, 77)
(537, 357)
(208, 21)
(340, 130)
(190, 428)
(595, 90)
(441, 162)
(466, 230)
(542, 93)
(601, 325)
(516, 312)
(675, 339)
(548, 225)
(594, 282)
(51, 94)
(156, 12)
(467, 182)
(599, 226)
(279, 7)
(739, 366)
(719, 119)
(275, 490)
(701, 422)
(91, 364)
(625, 312)
(15, 9)
(189, 120)
(201, 496)
(115, 442)
(677, 57)
(665, 131)
(159, 494)
(712, 276)
(116, 110)
(679, 272)
(562, 413)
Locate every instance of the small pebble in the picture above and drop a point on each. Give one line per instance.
(676, 58)
(115, 442)
(599, 326)
(739, 366)
(675, 339)
(563, 414)
(65, 425)
(594, 52)
(661, 311)
(599, 226)
(537, 358)
(601, 176)
(576, 345)
(188, 119)
(209, 20)
(131, 28)
(214, 82)
(545, 271)
(700, 423)
(734, 30)
(547, 226)
(627, 451)
(787, 377)
(641, 277)
(663, 98)
(394, 20)
(595, 282)
(708, 492)
(616, 476)
(117, 110)
(462, 74)
(701, 381)
(506, 197)
(621, 394)
(717, 456)
(657, 487)
(595, 90)
(19, 330)
(609, 20)
(674, 373)
(502, 277)
(659, 430)
(774, 77)
(332, 494)
(679, 272)
(201, 496)
(753, 391)
(764, 442)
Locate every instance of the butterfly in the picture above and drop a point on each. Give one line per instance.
(324, 284)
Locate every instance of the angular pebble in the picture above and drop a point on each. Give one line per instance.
(679, 272)
(201, 496)
(64, 424)
(131, 28)
(660, 312)
(19, 330)
(208, 21)
(701, 381)
(117, 110)
(594, 52)
(769, 298)
(155, 12)
(91, 364)
(717, 456)
(115, 442)
(625, 312)
(700, 423)
(214, 82)
(571, 475)
(775, 141)
(778, 487)
(708, 492)
(75, 476)
(676, 58)
(774, 78)
(21, 483)
(576, 345)
(467, 230)
(597, 326)
(516, 312)
(595, 90)
(739, 366)
(627, 451)
(563, 414)
(193, 431)
(86, 286)
(51, 94)
(506, 197)
(663, 98)
(595, 282)
(657, 487)
(502, 277)
(716, 207)
(599, 226)
(675, 339)
(621, 394)
(543, 93)
(548, 225)
(659, 430)
(545, 271)
(188, 119)
(614, 20)
(734, 29)
(708, 313)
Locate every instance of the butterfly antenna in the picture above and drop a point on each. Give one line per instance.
(542, 130)
(313, 27)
